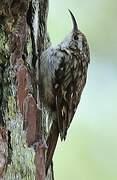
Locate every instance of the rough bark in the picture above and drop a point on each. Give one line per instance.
(23, 37)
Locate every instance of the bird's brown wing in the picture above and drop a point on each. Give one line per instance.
(70, 80)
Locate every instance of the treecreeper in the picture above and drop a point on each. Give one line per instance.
(63, 72)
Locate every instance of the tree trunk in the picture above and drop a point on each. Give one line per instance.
(23, 121)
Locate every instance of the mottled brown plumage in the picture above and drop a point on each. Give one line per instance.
(63, 74)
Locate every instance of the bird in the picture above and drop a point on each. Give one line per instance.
(63, 72)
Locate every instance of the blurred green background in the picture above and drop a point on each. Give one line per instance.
(90, 150)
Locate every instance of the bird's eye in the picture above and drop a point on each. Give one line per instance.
(75, 37)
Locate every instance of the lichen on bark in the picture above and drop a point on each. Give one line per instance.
(22, 165)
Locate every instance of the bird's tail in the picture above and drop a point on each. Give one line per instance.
(51, 143)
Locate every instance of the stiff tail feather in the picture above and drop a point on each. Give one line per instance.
(51, 143)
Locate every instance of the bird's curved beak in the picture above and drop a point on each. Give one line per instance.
(75, 26)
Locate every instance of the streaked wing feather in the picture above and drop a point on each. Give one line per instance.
(71, 83)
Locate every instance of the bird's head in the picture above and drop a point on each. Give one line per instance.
(76, 40)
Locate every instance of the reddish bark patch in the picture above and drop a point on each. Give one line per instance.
(40, 161)
(22, 88)
(30, 118)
